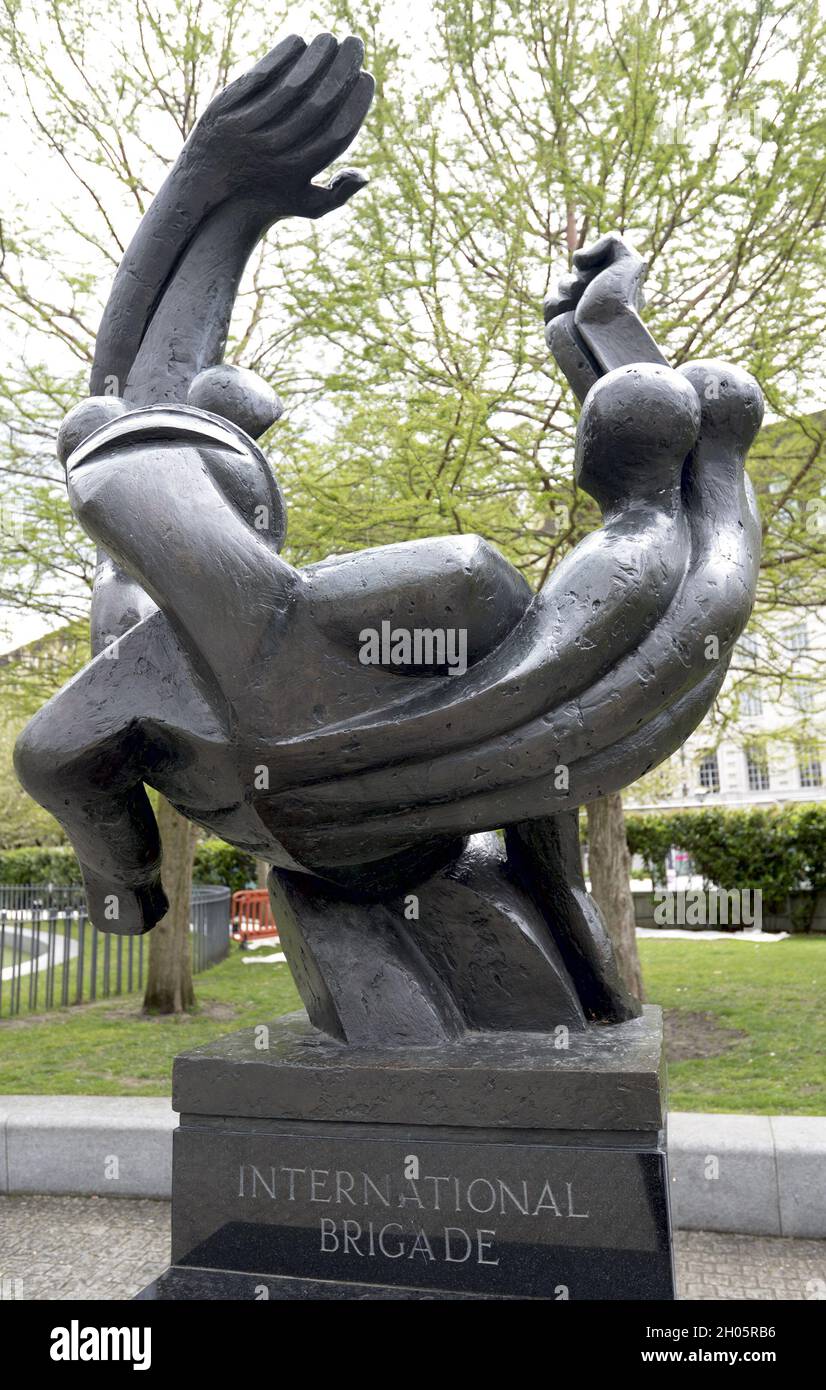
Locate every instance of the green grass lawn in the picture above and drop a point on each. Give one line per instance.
(773, 994)
(109, 1048)
(764, 1008)
(11, 952)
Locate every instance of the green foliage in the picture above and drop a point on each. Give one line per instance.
(405, 332)
(504, 136)
(39, 865)
(778, 851)
(217, 862)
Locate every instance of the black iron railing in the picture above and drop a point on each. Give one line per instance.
(51, 955)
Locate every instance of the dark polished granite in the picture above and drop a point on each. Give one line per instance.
(529, 1220)
(497, 1168)
(184, 1284)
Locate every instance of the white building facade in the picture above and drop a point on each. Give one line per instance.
(770, 746)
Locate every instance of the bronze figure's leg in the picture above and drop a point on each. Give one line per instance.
(84, 757)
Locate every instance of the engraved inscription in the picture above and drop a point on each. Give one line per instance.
(373, 1234)
(458, 1215)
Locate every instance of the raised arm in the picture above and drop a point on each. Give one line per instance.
(260, 142)
(249, 161)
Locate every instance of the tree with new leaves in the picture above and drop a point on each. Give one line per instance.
(95, 100)
(405, 333)
(534, 129)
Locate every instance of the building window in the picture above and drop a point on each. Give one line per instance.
(709, 773)
(751, 701)
(798, 638)
(809, 766)
(803, 696)
(757, 767)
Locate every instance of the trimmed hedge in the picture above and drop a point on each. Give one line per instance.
(215, 862)
(778, 850)
(40, 864)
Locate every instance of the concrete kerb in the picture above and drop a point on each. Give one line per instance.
(104, 1145)
(748, 1174)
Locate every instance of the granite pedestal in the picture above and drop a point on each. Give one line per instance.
(501, 1166)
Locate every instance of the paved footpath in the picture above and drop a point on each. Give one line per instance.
(105, 1247)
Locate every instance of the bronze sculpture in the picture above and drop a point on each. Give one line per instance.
(368, 785)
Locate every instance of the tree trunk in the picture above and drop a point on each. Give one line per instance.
(610, 868)
(169, 987)
(262, 868)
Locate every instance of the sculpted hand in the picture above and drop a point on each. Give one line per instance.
(607, 280)
(612, 276)
(254, 153)
(604, 294)
(274, 129)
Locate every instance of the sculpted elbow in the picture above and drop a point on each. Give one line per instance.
(34, 761)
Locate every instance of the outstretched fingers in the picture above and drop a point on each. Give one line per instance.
(332, 139)
(320, 101)
(263, 75)
(278, 99)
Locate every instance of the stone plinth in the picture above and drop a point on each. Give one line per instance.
(502, 1166)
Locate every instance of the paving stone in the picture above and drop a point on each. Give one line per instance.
(86, 1144)
(714, 1265)
(80, 1247)
(104, 1247)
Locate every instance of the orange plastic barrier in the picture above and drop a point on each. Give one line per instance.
(252, 917)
